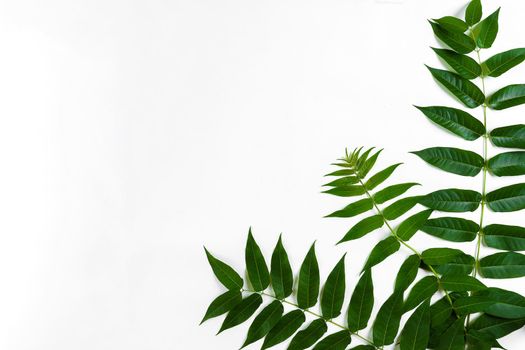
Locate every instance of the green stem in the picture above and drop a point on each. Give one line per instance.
(315, 315)
(393, 234)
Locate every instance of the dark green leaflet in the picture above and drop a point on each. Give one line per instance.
(336, 341)
(504, 237)
(507, 199)
(452, 200)
(284, 329)
(458, 42)
(353, 209)
(411, 225)
(509, 96)
(224, 273)
(381, 251)
(363, 347)
(334, 291)
(346, 191)
(363, 227)
(222, 304)
(281, 272)
(461, 283)
(473, 13)
(344, 181)
(465, 66)
(496, 326)
(453, 338)
(393, 191)
(407, 273)
(264, 322)
(481, 341)
(452, 160)
(461, 264)
(440, 311)
(361, 303)
(343, 172)
(241, 312)
(487, 30)
(437, 331)
(452, 24)
(423, 289)
(503, 62)
(502, 265)
(439, 256)
(506, 304)
(455, 120)
(400, 207)
(472, 304)
(452, 229)
(308, 336)
(387, 320)
(309, 280)
(508, 164)
(509, 136)
(380, 177)
(416, 332)
(256, 268)
(465, 91)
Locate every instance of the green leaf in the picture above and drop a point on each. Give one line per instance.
(502, 62)
(363, 347)
(453, 338)
(487, 30)
(504, 237)
(242, 311)
(465, 66)
(343, 181)
(472, 304)
(461, 283)
(281, 272)
(452, 160)
(496, 326)
(336, 341)
(346, 191)
(440, 256)
(507, 304)
(416, 332)
(343, 172)
(381, 251)
(466, 91)
(361, 303)
(458, 42)
(400, 207)
(507, 199)
(308, 286)
(257, 270)
(334, 291)
(393, 191)
(410, 226)
(407, 273)
(509, 136)
(452, 229)
(508, 164)
(481, 341)
(461, 264)
(380, 177)
(264, 322)
(437, 331)
(452, 200)
(440, 311)
(224, 273)
(509, 96)
(222, 304)
(353, 209)
(455, 120)
(452, 24)
(473, 13)
(308, 336)
(502, 265)
(387, 320)
(368, 165)
(284, 329)
(423, 289)
(363, 227)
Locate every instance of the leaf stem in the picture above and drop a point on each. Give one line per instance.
(393, 233)
(314, 314)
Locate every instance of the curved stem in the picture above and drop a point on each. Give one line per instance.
(393, 234)
(368, 341)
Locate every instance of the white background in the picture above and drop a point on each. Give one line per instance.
(134, 132)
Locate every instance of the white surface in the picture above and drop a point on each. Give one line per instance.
(134, 132)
